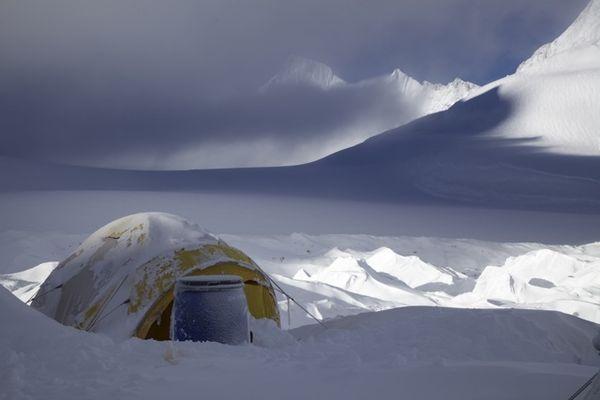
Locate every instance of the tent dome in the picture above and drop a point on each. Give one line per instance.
(120, 279)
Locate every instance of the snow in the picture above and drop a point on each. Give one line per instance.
(423, 97)
(582, 34)
(376, 273)
(543, 279)
(540, 102)
(423, 353)
(554, 93)
(303, 71)
(410, 270)
(528, 140)
(337, 275)
(397, 99)
(25, 284)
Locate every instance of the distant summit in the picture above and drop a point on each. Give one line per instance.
(583, 35)
(441, 97)
(300, 71)
(387, 101)
(423, 97)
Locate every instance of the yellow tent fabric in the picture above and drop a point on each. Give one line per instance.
(120, 280)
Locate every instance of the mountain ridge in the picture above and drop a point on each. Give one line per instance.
(582, 34)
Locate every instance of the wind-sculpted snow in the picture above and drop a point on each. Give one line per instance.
(434, 272)
(542, 279)
(392, 347)
(337, 275)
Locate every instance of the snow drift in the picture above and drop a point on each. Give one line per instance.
(378, 273)
(423, 353)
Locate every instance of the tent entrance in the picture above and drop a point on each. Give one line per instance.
(261, 303)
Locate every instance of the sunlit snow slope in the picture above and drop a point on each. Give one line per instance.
(532, 138)
(420, 352)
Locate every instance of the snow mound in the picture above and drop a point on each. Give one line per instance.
(357, 276)
(421, 352)
(34, 350)
(398, 98)
(372, 274)
(422, 97)
(410, 270)
(426, 334)
(543, 279)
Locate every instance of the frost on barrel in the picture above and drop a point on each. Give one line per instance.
(210, 308)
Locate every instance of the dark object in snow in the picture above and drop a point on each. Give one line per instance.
(210, 308)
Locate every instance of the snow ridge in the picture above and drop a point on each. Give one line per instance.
(582, 34)
(425, 97)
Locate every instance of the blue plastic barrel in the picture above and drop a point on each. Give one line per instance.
(210, 308)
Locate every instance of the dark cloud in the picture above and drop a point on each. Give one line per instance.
(155, 84)
(129, 127)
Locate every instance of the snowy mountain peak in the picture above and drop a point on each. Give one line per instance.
(462, 85)
(457, 85)
(399, 74)
(583, 33)
(405, 83)
(303, 71)
(441, 97)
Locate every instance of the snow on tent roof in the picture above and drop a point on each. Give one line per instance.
(120, 279)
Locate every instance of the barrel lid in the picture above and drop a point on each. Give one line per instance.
(210, 280)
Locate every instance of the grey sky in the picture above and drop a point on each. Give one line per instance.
(94, 78)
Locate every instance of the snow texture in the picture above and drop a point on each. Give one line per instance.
(377, 273)
(426, 97)
(422, 353)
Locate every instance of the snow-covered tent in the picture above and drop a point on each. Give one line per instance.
(120, 280)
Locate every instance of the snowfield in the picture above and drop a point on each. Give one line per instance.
(397, 316)
(337, 275)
